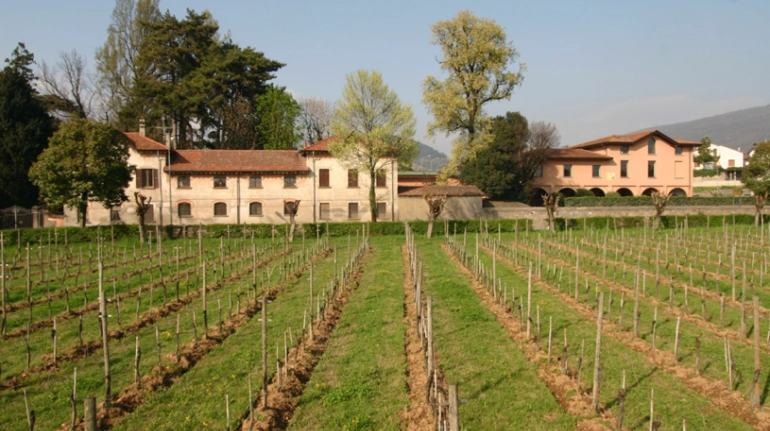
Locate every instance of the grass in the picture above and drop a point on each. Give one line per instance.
(360, 382)
(502, 388)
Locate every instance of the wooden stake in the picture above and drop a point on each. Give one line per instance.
(755, 394)
(550, 333)
(529, 303)
(676, 341)
(597, 366)
(454, 413)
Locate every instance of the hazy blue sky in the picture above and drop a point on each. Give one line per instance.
(594, 67)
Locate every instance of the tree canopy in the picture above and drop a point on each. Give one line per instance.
(372, 127)
(475, 55)
(279, 118)
(25, 127)
(756, 176)
(84, 162)
(706, 154)
(505, 168)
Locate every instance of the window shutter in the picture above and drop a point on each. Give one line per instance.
(139, 184)
(155, 179)
(324, 178)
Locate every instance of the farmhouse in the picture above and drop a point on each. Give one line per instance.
(247, 186)
(632, 165)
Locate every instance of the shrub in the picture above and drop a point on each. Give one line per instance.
(612, 195)
(705, 173)
(635, 201)
(581, 193)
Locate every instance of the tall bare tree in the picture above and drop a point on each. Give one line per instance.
(68, 87)
(316, 118)
(551, 203)
(435, 207)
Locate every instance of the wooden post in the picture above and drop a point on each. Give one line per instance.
(89, 414)
(652, 408)
(676, 340)
(597, 367)
(227, 411)
(73, 395)
(755, 394)
(654, 326)
(636, 307)
(454, 413)
(429, 324)
(30, 413)
(264, 351)
(53, 336)
(137, 358)
(550, 333)
(105, 338)
(529, 303)
(205, 310)
(621, 402)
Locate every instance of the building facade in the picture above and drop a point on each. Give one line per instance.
(247, 187)
(727, 157)
(631, 165)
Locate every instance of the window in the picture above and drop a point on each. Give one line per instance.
(325, 211)
(115, 214)
(220, 209)
(183, 182)
(289, 207)
(255, 209)
(323, 178)
(289, 181)
(624, 149)
(596, 173)
(352, 177)
(255, 182)
(624, 168)
(381, 178)
(731, 163)
(353, 210)
(220, 182)
(539, 171)
(651, 146)
(567, 171)
(184, 209)
(382, 210)
(678, 150)
(146, 178)
(651, 169)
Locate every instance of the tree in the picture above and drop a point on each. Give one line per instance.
(292, 207)
(316, 118)
(476, 56)
(756, 177)
(373, 128)
(142, 206)
(84, 162)
(68, 86)
(551, 204)
(435, 207)
(705, 153)
(660, 201)
(25, 127)
(278, 116)
(505, 168)
(116, 60)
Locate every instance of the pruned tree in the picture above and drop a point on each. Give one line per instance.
(476, 55)
(551, 203)
(435, 207)
(316, 118)
(660, 201)
(756, 177)
(374, 129)
(142, 206)
(84, 162)
(291, 210)
(68, 86)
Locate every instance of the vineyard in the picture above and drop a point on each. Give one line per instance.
(487, 326)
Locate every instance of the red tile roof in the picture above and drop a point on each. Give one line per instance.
(143, 143)
(630, 138)
(575, 153)
(199, 161)
(444, 191)
(321, 146)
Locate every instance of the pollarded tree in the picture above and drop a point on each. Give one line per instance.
(756, 177)
(476, 56)
(84, 162)
(373, 128)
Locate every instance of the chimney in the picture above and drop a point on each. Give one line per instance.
(142, 129)
(304, 143)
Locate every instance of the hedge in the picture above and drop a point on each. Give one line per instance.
(705, 173)
(638, 201)
(666, 222)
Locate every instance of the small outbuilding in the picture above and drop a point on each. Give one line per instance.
(462, 203)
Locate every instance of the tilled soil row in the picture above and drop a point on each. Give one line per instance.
(713, 389)
(565, 390)
(283, 398)
(189, 355)
(146, 319)
(419, 414)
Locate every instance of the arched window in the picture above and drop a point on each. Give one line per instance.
(220, 209)
(255, 209)
(184, 209)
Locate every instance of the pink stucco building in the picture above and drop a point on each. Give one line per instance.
(632, 165)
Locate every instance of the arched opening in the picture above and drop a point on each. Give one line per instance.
(597, 192)
(677, 192)
(648, 192)
(536, 200)
(220, 209)
(567, 192)
(624, 192)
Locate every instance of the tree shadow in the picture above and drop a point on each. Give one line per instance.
(615, 400)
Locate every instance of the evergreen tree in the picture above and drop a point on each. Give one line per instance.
(25, 127)
(279, 125)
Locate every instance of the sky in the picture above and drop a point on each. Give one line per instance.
(593, 68)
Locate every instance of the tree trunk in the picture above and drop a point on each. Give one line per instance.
(430, 227)
(141, 226)
(372, 195)
(291, 227)
(82, 214)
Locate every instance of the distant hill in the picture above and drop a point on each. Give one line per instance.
(737, 129)
(429, 159)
